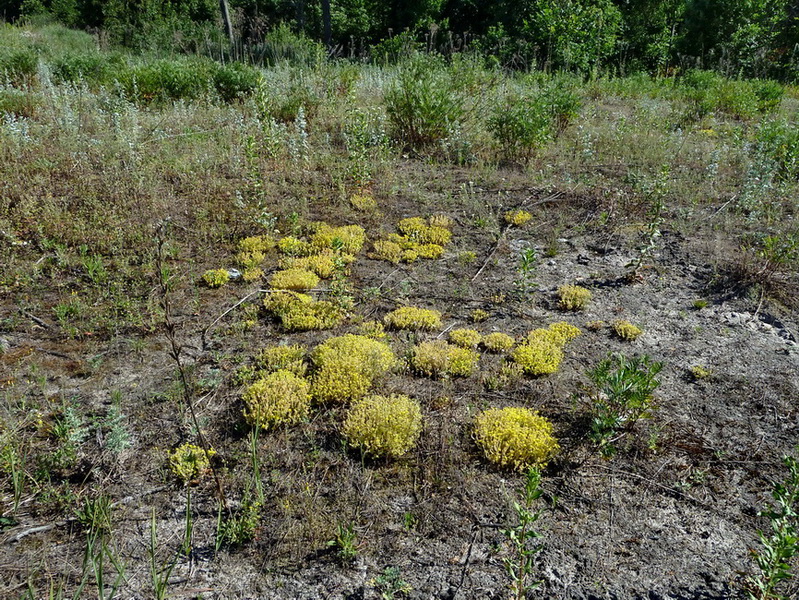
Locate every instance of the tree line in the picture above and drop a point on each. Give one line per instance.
(753, 38)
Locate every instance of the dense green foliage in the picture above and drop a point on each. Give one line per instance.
(750, 37)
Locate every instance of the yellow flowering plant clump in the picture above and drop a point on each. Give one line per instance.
(497, 342)
(252, 274)
(293, 279)
(347, 238)
(257, 243)
(325, 264)
(465, 338)
(542, 350)
(363, 201)
(372, 329)
(386, 250)
(516, 438)
(479, 315)
(573, 297)
(429, 251)
(626, 331)
(518, 217)
(300, 312)
(383, 426)
(288, 358)
(346, 367)
(410, 317)
(293, 246)
(280, 398)
(189, 462)
(250, 260)
(438, 358)
(538, 356)
(215, 278)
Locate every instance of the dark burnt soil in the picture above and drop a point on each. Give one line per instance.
(673, 515)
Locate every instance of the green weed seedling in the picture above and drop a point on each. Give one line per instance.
(781, 545)
(345, 542)
(391, 585)
(522, 536)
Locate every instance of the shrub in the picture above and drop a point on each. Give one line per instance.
(465, 338)
(518, 217)
(18, 65)
(422, 105)
(189, 462)
(626, 330)
(573, 297)
(168, 79)
(235, 80)
(279, 398)
(347, 365)
(497, 342)
(515, 437)
(300, 312)
(93, 68)
(437, 358)
(215, 278)
(285, 358)
(779, 142)
(383, 425)
(521, 126)
(293, 279)
(409, 317)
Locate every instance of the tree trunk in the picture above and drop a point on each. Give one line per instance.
(225, 10)
(326, 22)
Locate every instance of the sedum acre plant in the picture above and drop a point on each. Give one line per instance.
(516, 438)
(189, 462)
(215, 278)
(497, 342)
(626, 331)
(293, 279)
(518, 217)
(346, 367)
(573, 297)
(465, 338)
(300, 312)
(410, 317)
(279, 398)
(383, 426)
(288, 358)
(437, 358)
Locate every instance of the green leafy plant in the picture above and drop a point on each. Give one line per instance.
(624, 388)
(522, 537)
(391, 585)
(779, 546)
(345, 542)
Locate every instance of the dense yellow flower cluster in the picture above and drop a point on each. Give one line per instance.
(438, 358)
(515, 437)
(279, 398)
(410, 317)
(383, 426)
(573, 297)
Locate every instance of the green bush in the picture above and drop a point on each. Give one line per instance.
(521, 126)
(236, 80)
(515, 437)
(422, 105)
(163, 80)
(22, 103)
(94, 68)
(383, 426)
(778, 140)
(18, 65)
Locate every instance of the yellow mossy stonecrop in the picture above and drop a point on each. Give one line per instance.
(518, 217)
(300, 312)
(347, 238)
(293, 279)
(372, 329)
(573, 297)
(479, 315)
(413, 318)
(287, 358)
(293, 246)
(438, 358)
(189, 462)
(465, 338)
(386, 250)
(626, 330)
(383, 426)
(346, 367)
(516, 438)
(542, 350)
(497, 342)
(257, 243)
(325, 264)
(363, 201)
(215, 278)
(280, 398)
